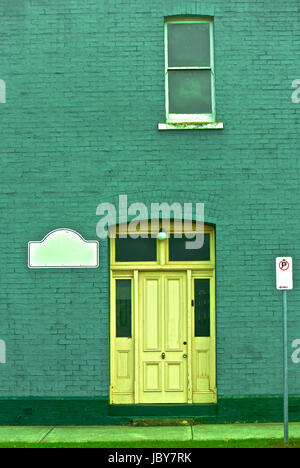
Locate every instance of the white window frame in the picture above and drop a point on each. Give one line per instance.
(182, 118)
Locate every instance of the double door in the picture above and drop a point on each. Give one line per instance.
(162, 337)
(162, 367)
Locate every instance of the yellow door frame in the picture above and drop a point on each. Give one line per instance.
(124, 352)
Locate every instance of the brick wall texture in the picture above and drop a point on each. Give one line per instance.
(85, 92)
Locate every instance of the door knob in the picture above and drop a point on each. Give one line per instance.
(184, 355)
(163, 355)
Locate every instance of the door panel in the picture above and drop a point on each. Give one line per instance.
(173, 314)
(152, 377)
(151, 315)
(163, 330)
(174, 377)
(123, 364)
(123, 368)
(202, 373)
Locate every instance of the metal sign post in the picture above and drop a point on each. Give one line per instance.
(285, 371)
(284, 281)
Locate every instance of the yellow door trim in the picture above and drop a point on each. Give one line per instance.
(136, 328)
(123, 350)
(189, 331)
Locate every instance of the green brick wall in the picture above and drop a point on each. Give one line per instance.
(85, 92)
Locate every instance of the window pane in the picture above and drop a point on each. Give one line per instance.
(202, 307)
(135, 250)
(179, 253)
(190, 92)
(123, 308)
(188, 45)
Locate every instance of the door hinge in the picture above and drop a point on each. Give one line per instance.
(192, 302)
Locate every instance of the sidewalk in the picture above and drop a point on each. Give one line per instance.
(205, 432)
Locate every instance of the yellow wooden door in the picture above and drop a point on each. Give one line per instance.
(162, 356)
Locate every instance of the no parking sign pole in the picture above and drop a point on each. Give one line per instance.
(284, 281)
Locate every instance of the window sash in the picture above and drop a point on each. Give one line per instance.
(123, 330)
(202, 325)
(171, 117)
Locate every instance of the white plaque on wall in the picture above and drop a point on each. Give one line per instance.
(63, 248)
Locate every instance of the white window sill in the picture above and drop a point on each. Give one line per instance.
(191, 126)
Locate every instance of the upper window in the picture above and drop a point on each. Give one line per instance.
(174, 246)
(179, 253)
(136, 250)
(190, 92)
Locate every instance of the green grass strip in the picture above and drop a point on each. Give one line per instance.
(251, 443)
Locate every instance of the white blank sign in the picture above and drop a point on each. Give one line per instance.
(284, 273)
(63, 248)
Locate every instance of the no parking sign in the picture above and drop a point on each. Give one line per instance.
(284, 281)
(284, 273)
